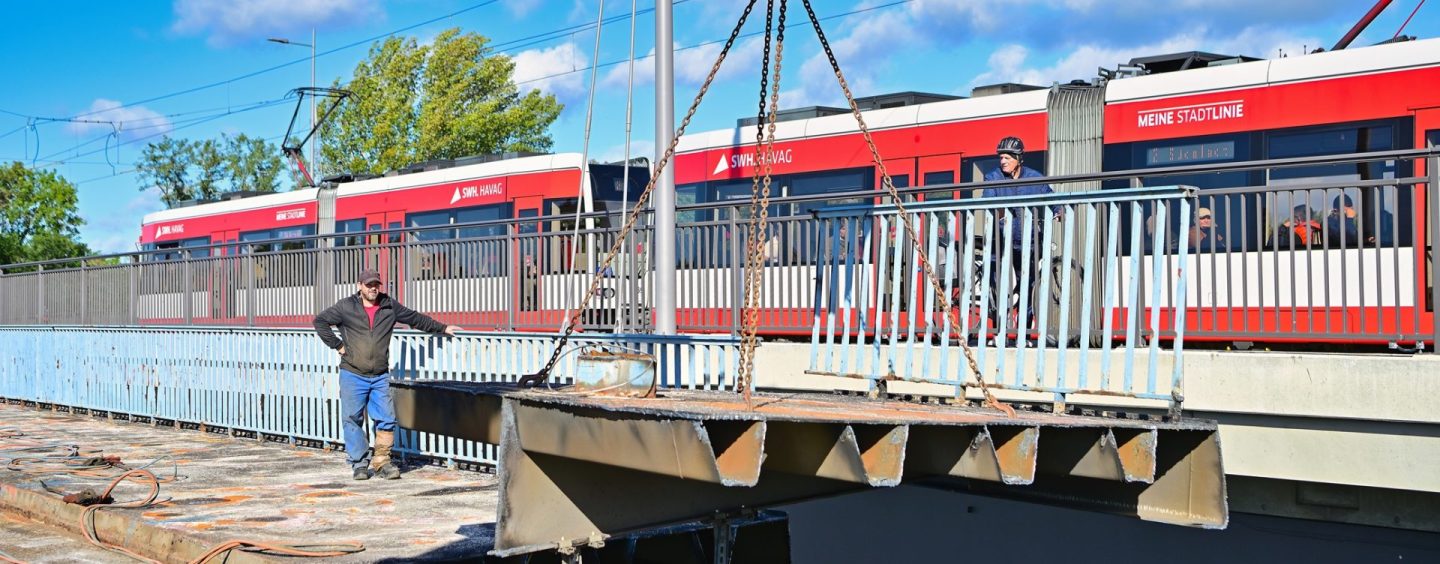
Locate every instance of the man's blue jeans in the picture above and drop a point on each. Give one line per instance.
(359, 394)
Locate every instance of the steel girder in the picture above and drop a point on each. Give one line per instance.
(576, 469)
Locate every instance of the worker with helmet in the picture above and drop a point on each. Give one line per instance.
(1011, 151)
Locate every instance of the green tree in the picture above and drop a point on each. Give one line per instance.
(38, 216)
(165, 164)
(186, 170)
(209, 165)
(252, 164)
(450, 99)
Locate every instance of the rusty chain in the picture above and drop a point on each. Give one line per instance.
(760, 201)
(635, 212)
(941, 296)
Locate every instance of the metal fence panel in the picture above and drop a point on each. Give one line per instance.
(284, 383)
(1011, 286)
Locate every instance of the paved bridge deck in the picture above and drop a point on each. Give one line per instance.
(227, 488)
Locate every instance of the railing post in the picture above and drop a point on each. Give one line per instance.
(737, 273)
(250, 286)
(40, 294)
(410, 258)
(517, 274)
(1432, 207)
(133, 308)
(84, 294)
(187, 301)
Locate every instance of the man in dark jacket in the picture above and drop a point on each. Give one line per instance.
(366, 319)
(1011, 151)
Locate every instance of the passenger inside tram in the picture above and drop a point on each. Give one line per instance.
(1300, 230)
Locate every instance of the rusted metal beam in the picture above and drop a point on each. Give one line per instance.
(1004, 454)
(1124, 454)
(550, 502)
(450, 411)
(863, 454)
(577, 468)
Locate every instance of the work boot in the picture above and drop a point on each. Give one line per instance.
(362, 473)
(388, 472)
(384, 441)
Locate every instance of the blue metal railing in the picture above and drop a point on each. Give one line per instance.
(283, 382)
(1049, 292)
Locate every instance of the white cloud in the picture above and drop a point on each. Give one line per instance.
(557, 70)
(115, 231)
(147, 201)
(1010, 63)
(638, 148)
(619, 75)
(859, 59)
(231, 21)
(521, 8)
(133, 122)
(693, 64)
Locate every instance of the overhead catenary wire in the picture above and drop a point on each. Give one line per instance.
(542, 375)
(513, 43)
(129, 171)
(1407, 19)
(582, 201)
(296, 61)
(184, 124)
(716, 41)
(176, 125)
(625, 175)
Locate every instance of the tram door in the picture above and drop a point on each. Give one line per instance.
(892, 243)
(526, 252)
(223, 279)
(1427, 131)
(383, 251)
(938, 170)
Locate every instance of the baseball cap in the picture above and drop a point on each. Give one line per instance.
(369, 276)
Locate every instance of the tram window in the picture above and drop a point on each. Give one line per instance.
(853, 180)
(163, 251)
(487, 213)
(557, 252)
(529, 227)
(1353, 216)
(274, 234)
(608, 185)
(350, 226)
(197, 242)
(422, 222)
(689, 194)
(937, 178)
(564, 209)
(170, 250)
(1228, 219)
(940, 177)
(739, 192)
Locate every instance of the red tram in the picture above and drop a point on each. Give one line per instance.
(1191, 108)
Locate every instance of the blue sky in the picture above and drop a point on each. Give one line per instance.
(180, 68)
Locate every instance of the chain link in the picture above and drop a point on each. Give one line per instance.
(759, 222)
(941, 296)
(636, 211)
(747, 361)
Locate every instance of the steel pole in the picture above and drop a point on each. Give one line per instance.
(665, 184)
(314, 156)
(1432, 205)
